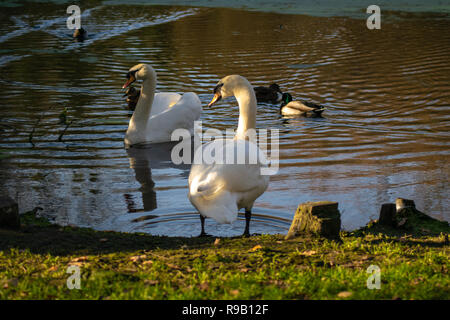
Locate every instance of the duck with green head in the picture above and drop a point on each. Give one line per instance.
(299, 108)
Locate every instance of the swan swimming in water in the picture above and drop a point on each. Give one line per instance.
(219, 190)
(157, 115)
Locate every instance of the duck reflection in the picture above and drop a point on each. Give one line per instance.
(144, 158)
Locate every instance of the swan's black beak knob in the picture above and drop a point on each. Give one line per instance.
(217, 94)
(131, 77)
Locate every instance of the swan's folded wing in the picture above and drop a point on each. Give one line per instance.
(164, 101)
(190, 101)
(180, 115)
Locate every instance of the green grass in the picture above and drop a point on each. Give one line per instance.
(34, 260)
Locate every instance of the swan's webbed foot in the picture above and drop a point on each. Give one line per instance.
(248, 216)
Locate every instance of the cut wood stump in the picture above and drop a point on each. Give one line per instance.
(9, 213)
(408, 218)
(387, 214)
(316, 218)
(401, 203)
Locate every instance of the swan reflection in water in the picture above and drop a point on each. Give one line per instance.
(144, 158)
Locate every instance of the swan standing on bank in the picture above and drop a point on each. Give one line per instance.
(157, 115)
(219, 190)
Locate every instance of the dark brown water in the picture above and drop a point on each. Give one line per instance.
(384, 134)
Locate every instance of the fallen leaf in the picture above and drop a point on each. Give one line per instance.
(217, 242)
(77, 264)
(204, 286)
(79, 259)
(173, 266)
(54, 268)
(147, 262)
(234, 292)
(244, 270)
(309, 253)
(137, 258)
(255, 248)
(345, 294)
(11, 283)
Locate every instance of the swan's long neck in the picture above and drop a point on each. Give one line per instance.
(144, 105)
(247, 110)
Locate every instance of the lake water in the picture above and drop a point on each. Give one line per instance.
(384, 134)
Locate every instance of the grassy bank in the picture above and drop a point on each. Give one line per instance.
(34, 260)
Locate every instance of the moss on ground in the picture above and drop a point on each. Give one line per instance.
(113, 265)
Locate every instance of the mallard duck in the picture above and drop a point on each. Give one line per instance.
(80, 35)
(270, 94)
(219, 189)
(132, 95)
(157, 115)
(300, 108)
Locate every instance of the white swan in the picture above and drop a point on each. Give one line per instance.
(219, 190)
(157, 115)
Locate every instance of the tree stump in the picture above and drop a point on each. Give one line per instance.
(9, 213)
(316, 218)
(387, 214)
(404, 203)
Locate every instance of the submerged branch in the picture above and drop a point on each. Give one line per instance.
(64, 131)
(30, 136)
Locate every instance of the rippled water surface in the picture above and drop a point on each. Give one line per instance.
(384, 134)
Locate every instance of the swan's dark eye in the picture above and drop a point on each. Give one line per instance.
(218, 87)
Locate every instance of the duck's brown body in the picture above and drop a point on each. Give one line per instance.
(80, 35)
(132, 95)
(271, 94)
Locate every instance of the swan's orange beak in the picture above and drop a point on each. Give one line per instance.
(216, 98)
(130, 80)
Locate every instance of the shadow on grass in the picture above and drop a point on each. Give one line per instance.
(40, 236)
(409, 235)
(57, 240)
